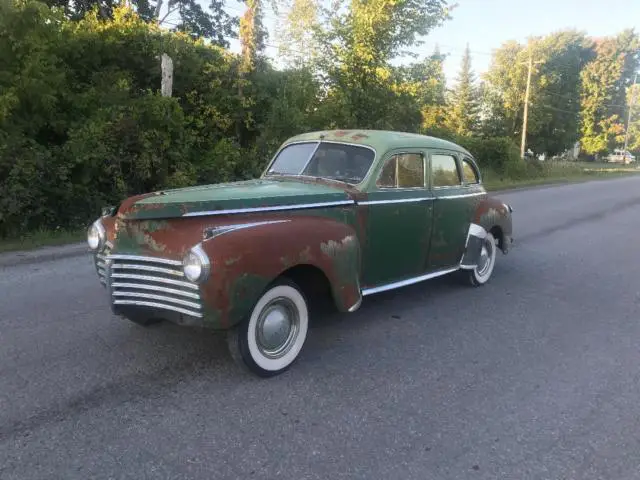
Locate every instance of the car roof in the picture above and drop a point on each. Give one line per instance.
(380, 140)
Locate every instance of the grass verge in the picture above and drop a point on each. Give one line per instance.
(42, 238)
(555, 173)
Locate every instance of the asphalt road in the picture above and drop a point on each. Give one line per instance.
(534, 376)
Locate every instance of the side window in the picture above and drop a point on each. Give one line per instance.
(470, 173)
(444, 171)
(405, 170)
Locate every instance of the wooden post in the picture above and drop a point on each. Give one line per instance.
(167, 75)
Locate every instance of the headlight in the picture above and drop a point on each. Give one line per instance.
(96, 236)
(196, 265)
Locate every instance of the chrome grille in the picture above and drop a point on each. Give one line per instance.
(153, 282)
(100, 268)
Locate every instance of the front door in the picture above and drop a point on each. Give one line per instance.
(398, 220)
(454, 204)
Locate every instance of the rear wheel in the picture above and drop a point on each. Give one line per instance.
(482, 272)
(270, 339)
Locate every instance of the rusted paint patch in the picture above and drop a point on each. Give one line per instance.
(231, 261)
(333, 248)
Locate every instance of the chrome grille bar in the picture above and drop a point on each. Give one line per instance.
(149, 278)
(153, 282)
(147, 268)
(151, 296)
(146, 259)
(155, 288)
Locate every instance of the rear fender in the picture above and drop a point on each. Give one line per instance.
(247, 257)
(491, 215)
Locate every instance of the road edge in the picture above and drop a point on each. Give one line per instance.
(43, 254)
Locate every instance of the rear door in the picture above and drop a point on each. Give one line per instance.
(455, 199)
(399, 217)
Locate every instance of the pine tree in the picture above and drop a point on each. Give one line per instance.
(464, 103)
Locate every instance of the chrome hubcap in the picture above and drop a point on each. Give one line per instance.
(277, 327)
(485, 257)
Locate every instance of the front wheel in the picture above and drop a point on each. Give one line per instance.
(482, 272)
(270, 339)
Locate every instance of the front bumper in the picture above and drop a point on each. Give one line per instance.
(142, 287)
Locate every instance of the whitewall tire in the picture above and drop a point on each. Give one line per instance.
(270, 339)
(487, 261)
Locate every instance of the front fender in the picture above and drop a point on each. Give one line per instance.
(247, 257)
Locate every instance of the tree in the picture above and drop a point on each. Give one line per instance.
(178, 15)
(297, 43)
(554, 98)
(554, 110)
(633, 103)
(462, 114)
(604, 83)
(504, 86)
(356, 49)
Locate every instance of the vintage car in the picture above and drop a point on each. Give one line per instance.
(336, 215)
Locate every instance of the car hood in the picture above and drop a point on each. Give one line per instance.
(233, 197)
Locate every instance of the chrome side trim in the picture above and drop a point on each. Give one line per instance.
(356, 306)
(464, 195)
(274, 208)
(400, 200)
(147, 268)
(164, 306)
(210, 233)
(408, 281)
(155, 279)
(162, 298)
(155, 288)
(146, 259)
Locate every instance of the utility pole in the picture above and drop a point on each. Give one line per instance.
(631, 105)
(526, 107)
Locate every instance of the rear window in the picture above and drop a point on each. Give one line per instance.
(336, 161)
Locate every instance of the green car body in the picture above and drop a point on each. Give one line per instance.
(393, 209)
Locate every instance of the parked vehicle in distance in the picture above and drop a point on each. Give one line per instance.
(336, 215)
(620, 156)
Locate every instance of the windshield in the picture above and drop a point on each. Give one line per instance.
(335, 161)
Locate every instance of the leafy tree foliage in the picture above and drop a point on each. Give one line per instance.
(357, 45)
(297, 42)
(604, 82)
(577, 90)
(181, 15)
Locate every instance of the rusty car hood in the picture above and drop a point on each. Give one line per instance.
(231, 197)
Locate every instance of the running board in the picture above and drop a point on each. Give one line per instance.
(408, 281)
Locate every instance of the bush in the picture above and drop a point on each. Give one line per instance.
(496, 153)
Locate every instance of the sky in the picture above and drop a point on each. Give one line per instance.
(486, 24)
